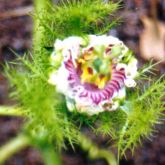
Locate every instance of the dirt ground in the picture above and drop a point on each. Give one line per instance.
(16, 34)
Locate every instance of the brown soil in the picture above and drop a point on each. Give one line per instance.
(16, 34)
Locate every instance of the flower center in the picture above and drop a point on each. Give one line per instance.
(95, 67)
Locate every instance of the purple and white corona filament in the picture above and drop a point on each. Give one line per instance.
(92, 72)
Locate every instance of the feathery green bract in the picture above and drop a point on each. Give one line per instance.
(145, 110)
(77, 18)
(111, 123)
(44, 108)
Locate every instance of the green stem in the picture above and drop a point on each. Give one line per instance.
(38, 35)
(13, 146)
(50, 156)
(94, 152)
(10, 111)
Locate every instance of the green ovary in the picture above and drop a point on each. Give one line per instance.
(95, 67)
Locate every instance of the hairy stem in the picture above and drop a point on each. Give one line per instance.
(94, 152)
(13, 146)
(10, 111)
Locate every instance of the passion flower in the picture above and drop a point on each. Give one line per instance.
(92, 72)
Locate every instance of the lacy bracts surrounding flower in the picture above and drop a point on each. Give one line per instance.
(92, 72)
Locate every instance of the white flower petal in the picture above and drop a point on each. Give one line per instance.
(58, 45)
(121, 93)
(70, 104)
(89, 109)
(62, 85)
(121, 66)
(53, 78)
(115, 106)
(130, 83)
(131, 72)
